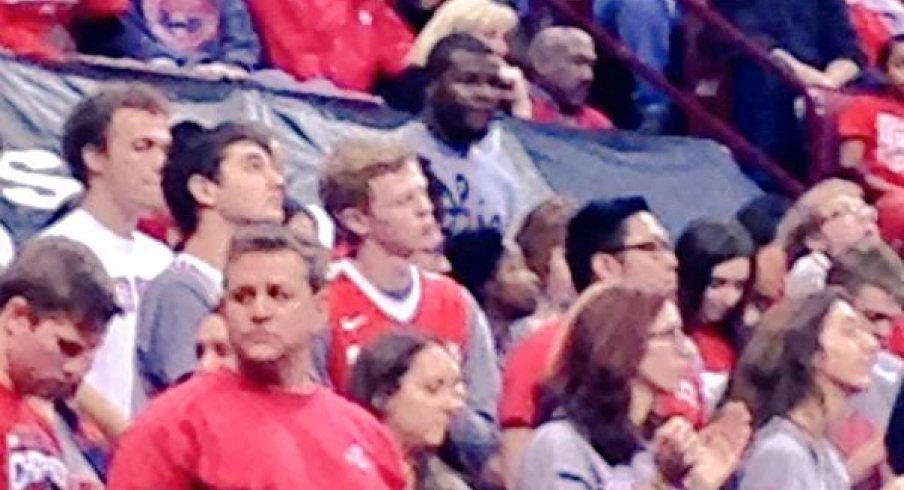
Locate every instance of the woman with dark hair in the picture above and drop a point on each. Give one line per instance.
(625, 345)
(414, 385)
(714, 274)
(806, 358)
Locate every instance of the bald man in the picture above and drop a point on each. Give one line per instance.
(561, 68)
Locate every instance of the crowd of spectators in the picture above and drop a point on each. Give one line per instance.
(441, 319)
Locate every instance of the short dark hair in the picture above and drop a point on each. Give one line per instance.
(887, 48)
(88, 124)
(702, 246)
(57, 275)
(762, 215)
(196, 151)
(277, 238)
(440, 59)
(878, 266)
(474, 256)
(380, 367)
(543, 230)
(775, 372)
(597, 227)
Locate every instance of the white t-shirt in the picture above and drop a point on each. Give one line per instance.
(132, 264)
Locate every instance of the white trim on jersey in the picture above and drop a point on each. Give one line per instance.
(401, 310)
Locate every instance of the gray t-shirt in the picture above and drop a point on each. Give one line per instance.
(784, 457)
(559, 458)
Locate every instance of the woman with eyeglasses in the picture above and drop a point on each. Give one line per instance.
(806, 359)
(624, 347)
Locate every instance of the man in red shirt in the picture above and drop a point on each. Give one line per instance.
(39, 28)
(377, 193)
(349, 42)
(607, 241)
(562, 61)
(56, 300)
(269, 425)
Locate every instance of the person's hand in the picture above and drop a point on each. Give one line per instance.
(519, 92)
(722, 443)
(221, 70)
(674, 447)
(867, 458)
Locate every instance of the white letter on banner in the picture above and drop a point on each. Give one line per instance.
(27, 187)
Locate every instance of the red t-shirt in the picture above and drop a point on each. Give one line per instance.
(717, 353)
(587, 118)
(39, 28)
(872, 30)
(360, 314)
(530, 364)
(879, 123)
(350, 42)
(219, 430)
(32, 458)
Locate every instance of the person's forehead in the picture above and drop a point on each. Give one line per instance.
(433, 361)
(266, 268)
(468, 61)
(875, 298)
(842, 313)
(578, 44)
(245, 148)
(735, 268)
(128, 118)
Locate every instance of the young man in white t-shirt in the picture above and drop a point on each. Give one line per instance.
(116, 144)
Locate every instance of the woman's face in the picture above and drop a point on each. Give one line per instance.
(848, 348)
(895, 67)
(429, 394)
(726, 287)
(667, 358)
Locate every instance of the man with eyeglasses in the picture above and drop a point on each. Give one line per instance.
(608, 241)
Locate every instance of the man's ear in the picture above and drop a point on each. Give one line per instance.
(16, 316)
(203, 190)
(94, 158)
(605, 267)
(355, 220)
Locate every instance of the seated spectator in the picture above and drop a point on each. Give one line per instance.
(804, 362)
(714, 274)
(826, 221)
(542, 240)
(55, 302)
(607, 242)
(561, 69)
(213, 183)
(351, 43)
(188, 436)
(414, 385)
(875, 283)
(485, 177)
(870, 128)
(213, 349)
(876, 22)
(624, 347)
(41, 29)
(210, 36)
(761, 218)
(815, 42)
(489, 21)
(891, 220)
(645, 27)
(494, 272)
(377, 193)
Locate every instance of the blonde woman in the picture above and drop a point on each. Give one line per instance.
(490, 21)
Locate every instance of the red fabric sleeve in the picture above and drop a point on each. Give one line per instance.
(154, 454)
(525, 371)
(384, 451)
(396, 40)
(856, 120)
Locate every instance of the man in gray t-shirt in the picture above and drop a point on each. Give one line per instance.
(215, 180)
